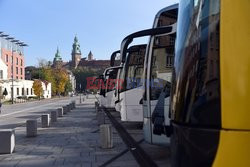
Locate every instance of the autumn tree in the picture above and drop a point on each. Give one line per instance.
(48, 75)
(58, 77)
(81, 75)
(37, 87)
(61, 78)
(68, 87)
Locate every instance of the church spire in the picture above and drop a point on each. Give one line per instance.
(75, 39)
(57, 62)
(57, 55)
(76, 53)
(90, 56)
(76, 46)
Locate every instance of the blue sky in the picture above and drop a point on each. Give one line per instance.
(99, 24)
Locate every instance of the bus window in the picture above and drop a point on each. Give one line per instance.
(162, 64)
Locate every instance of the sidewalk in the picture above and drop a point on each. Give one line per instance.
(71, 141)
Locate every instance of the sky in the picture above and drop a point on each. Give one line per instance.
(100, 25)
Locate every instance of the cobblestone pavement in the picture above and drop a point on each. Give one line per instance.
(71, 141)
(74, 141)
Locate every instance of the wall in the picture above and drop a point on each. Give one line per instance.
(3, 70)
(18, 63)
(23, 88)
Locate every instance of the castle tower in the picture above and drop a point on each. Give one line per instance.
(90, 56)
(57, 62)
(76, 53)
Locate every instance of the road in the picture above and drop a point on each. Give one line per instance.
(15, 115)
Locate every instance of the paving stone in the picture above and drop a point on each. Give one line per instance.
(36, 163)
(59, 161)
(72, 141)
(9, 163)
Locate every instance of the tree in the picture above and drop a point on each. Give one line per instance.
(61, 78)
(37, 87)
(58, 77)
(68, 87)
(81, 75)
(43, 63)
(48, 75)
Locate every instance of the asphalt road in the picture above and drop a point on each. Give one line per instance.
(15, 115)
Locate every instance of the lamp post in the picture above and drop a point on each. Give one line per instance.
(80, 94)
(12, 69)
(20, 44)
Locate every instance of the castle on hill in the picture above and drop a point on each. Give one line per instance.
(78, 61)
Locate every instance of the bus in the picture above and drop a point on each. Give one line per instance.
(106, 81)
(209, 106)
(130, 92)
(158, 75)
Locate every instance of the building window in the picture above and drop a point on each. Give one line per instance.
(7, 58)
(16, 61)
(21, 62)
(1, 74)
(16, 70)
(27, 91)
(17, 91)
(22, 91)
(21, 71)
(12, 59)
(31, 91)
(16, 77)
(170, 60)
(172, 40)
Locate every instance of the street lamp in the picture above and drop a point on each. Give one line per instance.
(12, 70)
(12, 40)
(80, 94)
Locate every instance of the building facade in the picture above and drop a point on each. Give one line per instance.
(22, 89)
(76, 54)
(57, 62)
(88, 62)
(12, 71)
(12, 55)
(3, 70)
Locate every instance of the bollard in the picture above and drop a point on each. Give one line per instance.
(68, 108)
(7, 141)
(81, 99)
(71, 106)
(96, 106)
(65, 109)
(106, 136)
(45, 120)
(53, 116)
(101, 117)
(74, 104)
(60, 112)
(31, 128)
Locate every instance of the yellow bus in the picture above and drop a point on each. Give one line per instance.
(210, 95)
